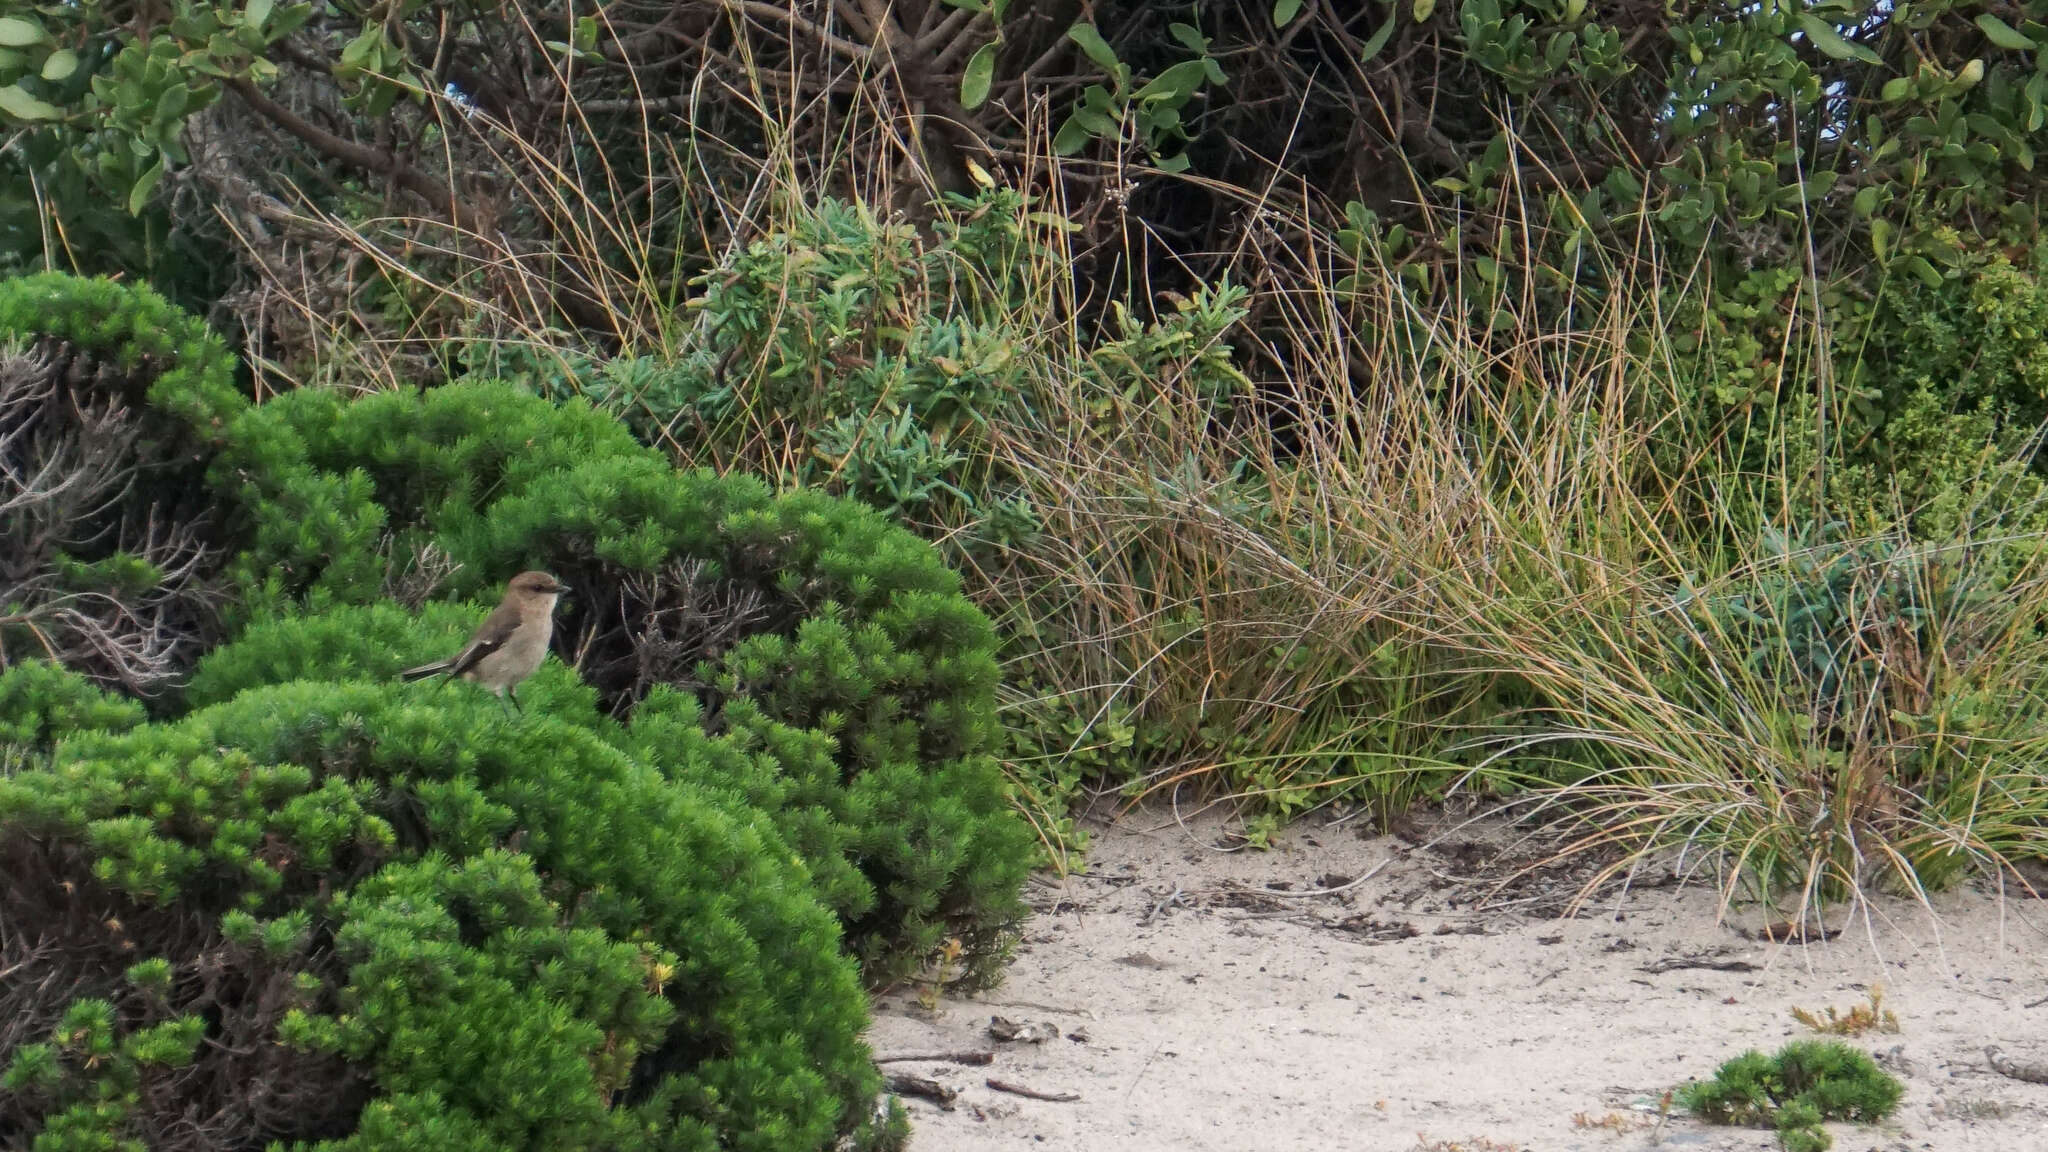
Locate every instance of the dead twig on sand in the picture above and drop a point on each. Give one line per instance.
(2032, 1071)
(932, 1090)
(1674, 963)
(1033, 1093)
(1348, 885)
(939, 1058)
(1163, 905)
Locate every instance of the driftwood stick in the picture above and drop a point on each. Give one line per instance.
(1674, 963)
(932, 1090)
(1033, 1093)
(939, 1057)
(2031, 1071)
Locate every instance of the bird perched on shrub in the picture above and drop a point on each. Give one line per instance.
(511, 642)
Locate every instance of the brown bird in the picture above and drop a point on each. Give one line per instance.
(511, 642)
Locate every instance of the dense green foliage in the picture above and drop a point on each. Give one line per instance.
(632, 915)
(415, 922)
(1793, 1091)
(41, 701)
(155, 355)
(776, 615)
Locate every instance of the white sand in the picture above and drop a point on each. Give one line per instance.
(1233, 1021)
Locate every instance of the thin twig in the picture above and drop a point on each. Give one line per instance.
(938, 1058)
(1033, 1093)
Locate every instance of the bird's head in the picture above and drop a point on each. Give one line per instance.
(536, 585)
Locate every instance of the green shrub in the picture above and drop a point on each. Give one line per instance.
(1949, 387)
(138, 345)
(1805, 1083)
(798, 613)
(909, 856)
(816, 610)
(1880, 398)
(41, 702)
(860, 358)
(417, 924)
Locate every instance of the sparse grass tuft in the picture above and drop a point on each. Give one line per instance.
(1872, 1016)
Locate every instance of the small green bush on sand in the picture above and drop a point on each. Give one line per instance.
(1804, 1083)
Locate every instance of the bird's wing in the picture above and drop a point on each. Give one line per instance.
(490, 636)
(478, 648)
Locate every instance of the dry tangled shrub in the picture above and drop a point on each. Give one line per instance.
(104, 548)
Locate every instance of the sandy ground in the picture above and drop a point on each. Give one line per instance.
(1424, 1008)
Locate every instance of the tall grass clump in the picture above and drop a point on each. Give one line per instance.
(1808, 706)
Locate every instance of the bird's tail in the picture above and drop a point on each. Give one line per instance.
(425, 670)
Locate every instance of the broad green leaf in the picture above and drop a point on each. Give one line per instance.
(1423, 9)
(172, 104)
(1176, 83)
(1095, 121)
(61, 64)
(980, 75)
(1172, 163)
(1072, 136)
(586, 33)
(258, 12)
(1095, 46)
(1377, 41)
(1828, 40)
(1881, 238)
(19, 105)
(16, 32)
(1866, 200)
(357, 52)
(1925, 270)
(1559, 47)
(144, 185)
(292, 19)
(1284, 12)
(2004, 35)
(382, 97)
(1190, 38)
(1896, 89)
